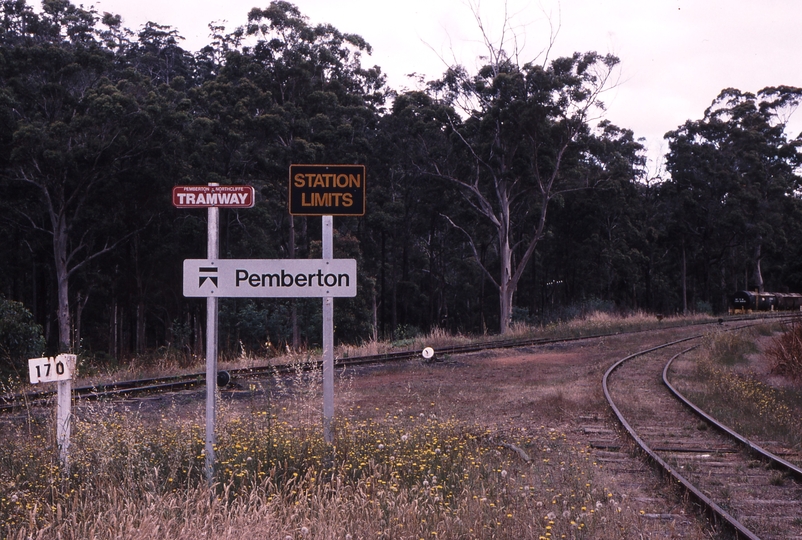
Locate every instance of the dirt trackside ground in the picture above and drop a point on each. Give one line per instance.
(523, 391)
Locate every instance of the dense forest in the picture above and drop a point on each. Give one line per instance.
(493, 196)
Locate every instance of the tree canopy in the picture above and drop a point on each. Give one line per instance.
(734, 177)
(494, 196)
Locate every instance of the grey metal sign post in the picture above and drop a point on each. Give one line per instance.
(327, 191)
(213, 197)
(212, 253)
(328, 338)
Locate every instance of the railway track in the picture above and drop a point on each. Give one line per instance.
(122, 389)
(747, 491)
(138, 387)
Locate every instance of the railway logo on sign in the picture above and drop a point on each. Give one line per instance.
(207, 273)
(327, 190)
(213, 196)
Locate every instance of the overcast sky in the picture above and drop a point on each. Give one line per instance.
(676, 55)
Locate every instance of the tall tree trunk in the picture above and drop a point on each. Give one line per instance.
(383, 286)
(758, 275)
(80, 304)
(394, 297)
(505, 290)
(139, 336)
(113, 329)
(482, 320)
(506, 287)
(140, 326)
(62, 280)
(684, 282)
(375, 317)
(724, 292)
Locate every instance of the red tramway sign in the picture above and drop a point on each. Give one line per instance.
(213, 196)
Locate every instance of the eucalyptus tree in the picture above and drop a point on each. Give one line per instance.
(77, 127)
(599, 241)
(734, 173)
(525, 140)
(44, 75)
(280, 90)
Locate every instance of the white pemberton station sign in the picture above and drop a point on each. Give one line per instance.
(270, 278)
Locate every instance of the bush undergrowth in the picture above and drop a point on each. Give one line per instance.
(400, 477)
(740, 398)
(786, 354)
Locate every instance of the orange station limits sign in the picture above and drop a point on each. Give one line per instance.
(327, 190)
(208, 196)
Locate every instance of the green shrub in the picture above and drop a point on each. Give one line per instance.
(20, 337)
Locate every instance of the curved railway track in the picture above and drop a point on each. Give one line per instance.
(747, 491)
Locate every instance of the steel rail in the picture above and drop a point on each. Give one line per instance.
(477, 347)
(709, 504)
(178, 382)
(716, 510)
(752, 446)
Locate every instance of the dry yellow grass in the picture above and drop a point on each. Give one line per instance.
(411, 477)
(729, 377)
(418, 463)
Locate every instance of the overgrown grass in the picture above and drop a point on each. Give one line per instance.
(138, 473)
(738, 396)
(730, 348)
(413, 476)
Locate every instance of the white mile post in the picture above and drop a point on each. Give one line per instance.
(59, 370)
(213, 248)
(328, 339)
(63, 420)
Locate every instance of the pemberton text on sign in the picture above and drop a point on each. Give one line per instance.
(327, 190)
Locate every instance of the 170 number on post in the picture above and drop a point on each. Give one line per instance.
(51, 369)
